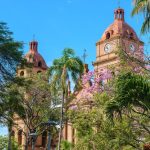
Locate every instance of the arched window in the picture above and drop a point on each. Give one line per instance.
(131, 35)
(112, 32)
(39, 71)
(108, 35)
(22, 73)
(39, 64)
(12, 134)
(20, 137)
(44, 139)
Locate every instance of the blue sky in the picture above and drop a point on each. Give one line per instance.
(59, 24)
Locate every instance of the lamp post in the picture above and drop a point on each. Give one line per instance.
(33, 137)
(48, 124)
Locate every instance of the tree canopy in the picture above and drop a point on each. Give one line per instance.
(10, 54)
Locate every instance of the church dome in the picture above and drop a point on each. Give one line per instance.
(34, 57)
(119, 27)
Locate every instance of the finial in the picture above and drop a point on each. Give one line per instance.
(33, 37)
(118, 3)
(33, 46)
(84, 55)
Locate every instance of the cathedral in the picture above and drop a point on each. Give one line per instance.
(118, 33)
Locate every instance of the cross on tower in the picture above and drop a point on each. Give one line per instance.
(84, 55)
(33, 37)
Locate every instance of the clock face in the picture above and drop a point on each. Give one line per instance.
(132, 47)
(107, 48)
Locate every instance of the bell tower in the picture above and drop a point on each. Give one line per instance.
(38, 65)
(35, 59)
(118, 34)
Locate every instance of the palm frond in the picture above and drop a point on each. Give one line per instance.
(68, 52)
(143, 6)
(140, 5)
(146, 26)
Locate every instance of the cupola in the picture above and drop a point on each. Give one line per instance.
(34, 57)
(119, 14)
(119, 28)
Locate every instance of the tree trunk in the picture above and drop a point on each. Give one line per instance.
(9, 138)
(61, 120)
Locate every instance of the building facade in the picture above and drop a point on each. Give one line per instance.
(118, 34)
(38, 66)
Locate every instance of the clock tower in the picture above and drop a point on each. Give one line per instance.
(118, 34)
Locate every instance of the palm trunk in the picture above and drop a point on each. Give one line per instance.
(61, 120)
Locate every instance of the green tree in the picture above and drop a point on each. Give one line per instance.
(38, 107)
(65, 145)
(10, 58)
(143, 6)
(10, 54)
(60, 72)
(131, 101)
(119, 116)
(4, 142)
(10, 104)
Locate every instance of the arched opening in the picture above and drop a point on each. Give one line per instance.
(39, 71)
(12, 134)
(126, 34)
(44, 139)
(39, 64)
(131, 35)
(20, 137)
(22, 73)
(108, 35)
(112, 32)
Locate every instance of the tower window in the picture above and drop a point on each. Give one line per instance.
(131, 35)
(108, 35)
(22, 73)
(39, 64)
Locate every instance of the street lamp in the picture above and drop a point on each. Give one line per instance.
(48, 124)
(33, 137)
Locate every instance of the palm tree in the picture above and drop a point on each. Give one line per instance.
(143, 6)
(60, 72)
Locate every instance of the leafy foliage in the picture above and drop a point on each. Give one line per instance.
(4, 141)
(37, 102)
(65, 67)
(65, 145)
(125, 99)
(10, 55)
(130, 90)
